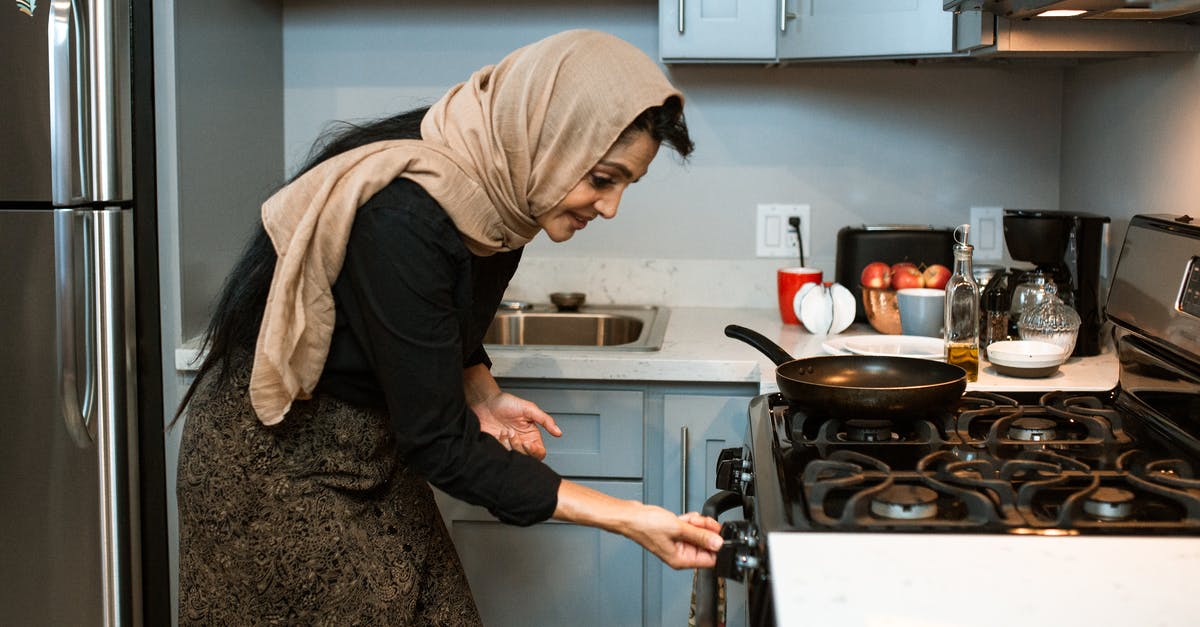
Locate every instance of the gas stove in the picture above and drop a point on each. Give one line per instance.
(995, 463)
(1093, 496)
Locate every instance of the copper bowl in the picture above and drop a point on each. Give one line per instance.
(882, 311)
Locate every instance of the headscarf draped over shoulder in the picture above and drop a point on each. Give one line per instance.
(496, 151)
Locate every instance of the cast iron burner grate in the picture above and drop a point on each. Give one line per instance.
(992, 464)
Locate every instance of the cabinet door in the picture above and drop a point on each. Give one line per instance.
(866, 28)
(602, 430)
(717, 29)
(552, 573)
(708, 424)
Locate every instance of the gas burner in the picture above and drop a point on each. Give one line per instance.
(867, 431)
(905, 502)
(1073, 426)
(1110, 504)
(1030, 429)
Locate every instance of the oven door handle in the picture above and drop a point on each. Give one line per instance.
(704, 585)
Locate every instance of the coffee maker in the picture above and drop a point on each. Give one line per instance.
(1070, 249)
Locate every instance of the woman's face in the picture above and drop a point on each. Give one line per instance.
(599, 193)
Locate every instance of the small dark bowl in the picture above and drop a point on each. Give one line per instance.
(568, 301)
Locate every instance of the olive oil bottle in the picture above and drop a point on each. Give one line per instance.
(965, 356)
(962, 308)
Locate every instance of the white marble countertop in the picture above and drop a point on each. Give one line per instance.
(695, 349)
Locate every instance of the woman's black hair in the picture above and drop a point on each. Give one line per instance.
(239, 310)
(665, 124)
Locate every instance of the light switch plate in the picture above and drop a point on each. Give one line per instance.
(987, 233)
(774, 237)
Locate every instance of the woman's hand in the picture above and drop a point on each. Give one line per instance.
(516, 423)
(687, 541)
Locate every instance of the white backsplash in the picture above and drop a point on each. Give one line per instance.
(670, 282)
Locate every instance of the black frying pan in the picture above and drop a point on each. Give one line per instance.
(860, 386)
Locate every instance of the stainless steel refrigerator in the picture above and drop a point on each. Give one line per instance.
(82, 522)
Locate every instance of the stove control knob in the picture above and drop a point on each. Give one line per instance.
(738, 556)
(733, 471)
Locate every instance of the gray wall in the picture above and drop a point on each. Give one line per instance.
(860, 143)
(1131, 139)
(228, 61)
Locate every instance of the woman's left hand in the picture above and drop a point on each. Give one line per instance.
(686, 541)
(516, 423)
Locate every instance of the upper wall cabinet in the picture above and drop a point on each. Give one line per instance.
(867, 28)
(748, 31)
(718, 30)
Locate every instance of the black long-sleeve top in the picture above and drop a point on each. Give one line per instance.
(412, 305)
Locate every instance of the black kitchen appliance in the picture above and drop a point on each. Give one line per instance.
(858, 246)
(1069, 248)
(1063, 494)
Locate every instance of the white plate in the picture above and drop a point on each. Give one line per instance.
(834, 346)
(888, 346)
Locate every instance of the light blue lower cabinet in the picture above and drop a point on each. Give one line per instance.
(552, 573)
(624, 439)
(701, 426)
(556, 573)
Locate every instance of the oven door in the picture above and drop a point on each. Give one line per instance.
(736, 591)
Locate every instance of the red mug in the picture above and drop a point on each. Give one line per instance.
(789, 281)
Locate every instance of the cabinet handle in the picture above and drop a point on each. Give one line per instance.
(683, 469)
(784, 16)
(681, 4)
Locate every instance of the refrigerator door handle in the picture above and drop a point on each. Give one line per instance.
(78, 416)
(70, 169)
(84, 133)
(104, 416)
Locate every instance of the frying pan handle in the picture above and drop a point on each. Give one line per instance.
(759, 341)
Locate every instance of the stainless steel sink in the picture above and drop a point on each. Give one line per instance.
(600, 327)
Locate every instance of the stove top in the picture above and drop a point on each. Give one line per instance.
(990, 481)
(1056, 463)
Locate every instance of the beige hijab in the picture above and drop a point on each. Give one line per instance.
(496, 151)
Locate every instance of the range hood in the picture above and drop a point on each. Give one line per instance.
(1093, 28)
(1082, 9)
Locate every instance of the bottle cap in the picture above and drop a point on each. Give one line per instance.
(962, 234)
(995, 299)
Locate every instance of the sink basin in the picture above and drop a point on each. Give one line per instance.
(605, 327)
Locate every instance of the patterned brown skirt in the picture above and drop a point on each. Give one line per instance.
(314, 521)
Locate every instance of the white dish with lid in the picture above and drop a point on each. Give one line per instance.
(1025, 358)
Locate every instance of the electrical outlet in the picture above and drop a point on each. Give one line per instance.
(987, 233)
(774, 237)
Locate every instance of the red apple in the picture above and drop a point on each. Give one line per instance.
(896, 267)
(876, 274)
(936, 276)
(906, 276)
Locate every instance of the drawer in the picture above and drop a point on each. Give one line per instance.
(602, 431)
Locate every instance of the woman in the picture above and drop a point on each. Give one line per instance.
(345, 366)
